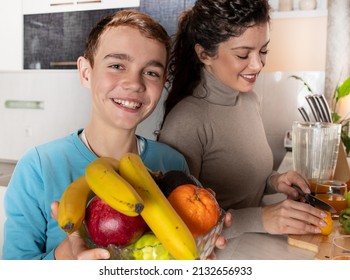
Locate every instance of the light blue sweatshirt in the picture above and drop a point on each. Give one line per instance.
(41, 176)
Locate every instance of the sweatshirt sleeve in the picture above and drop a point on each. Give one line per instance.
(25, 226)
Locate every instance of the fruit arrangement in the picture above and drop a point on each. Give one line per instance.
(137, 214)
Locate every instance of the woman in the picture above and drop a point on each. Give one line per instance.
(212, 116)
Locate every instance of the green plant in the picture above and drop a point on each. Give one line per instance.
(340, 92)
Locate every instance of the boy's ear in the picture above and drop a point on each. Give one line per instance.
(202, 55)
(84, 70)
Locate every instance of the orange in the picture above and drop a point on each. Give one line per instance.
(196, 206)
(329, 227)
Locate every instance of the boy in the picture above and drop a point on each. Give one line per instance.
(124, 67)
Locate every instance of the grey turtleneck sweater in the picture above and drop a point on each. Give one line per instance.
(221, 134)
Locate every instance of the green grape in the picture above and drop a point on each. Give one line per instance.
(148, 247)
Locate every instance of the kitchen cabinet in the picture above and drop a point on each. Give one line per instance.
(56, 40)
(11, 30)
(55, 31)
(55, 6)
(165, 12)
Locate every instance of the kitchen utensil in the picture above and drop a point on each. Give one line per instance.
(315, 147)
(325, 107)
(314, 201)
(304, 114)
(316, 108)
(320, 109)
(312, 107)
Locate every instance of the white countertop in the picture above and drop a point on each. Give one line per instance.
(287, 163)
(6, 170)
(259, 246)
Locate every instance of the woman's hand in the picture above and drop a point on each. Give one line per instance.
(221, 242)
(283, 182)
(292, 217)
(74, 247)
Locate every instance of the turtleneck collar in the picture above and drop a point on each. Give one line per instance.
(213, 91)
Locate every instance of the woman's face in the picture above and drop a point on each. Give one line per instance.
(240, 59)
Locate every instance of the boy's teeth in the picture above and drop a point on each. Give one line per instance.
(128, 104)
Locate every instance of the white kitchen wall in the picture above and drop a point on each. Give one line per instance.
(281, 97)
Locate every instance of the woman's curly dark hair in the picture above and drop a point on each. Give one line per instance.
(208, 23)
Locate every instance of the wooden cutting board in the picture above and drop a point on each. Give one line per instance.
(317, 243)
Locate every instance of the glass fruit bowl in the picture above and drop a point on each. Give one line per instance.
(205, 245)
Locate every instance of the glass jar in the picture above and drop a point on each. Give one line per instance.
(285, 5)
(307, 4)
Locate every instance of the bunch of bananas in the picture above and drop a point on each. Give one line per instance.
(128, 187)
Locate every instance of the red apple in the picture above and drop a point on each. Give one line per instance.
(107, 226)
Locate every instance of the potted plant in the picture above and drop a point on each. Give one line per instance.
(340, 92)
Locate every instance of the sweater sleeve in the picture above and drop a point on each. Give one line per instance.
(270, 189)
(245, 220)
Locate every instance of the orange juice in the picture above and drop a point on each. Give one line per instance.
(339, 202)
(341, 257)
(315, 185)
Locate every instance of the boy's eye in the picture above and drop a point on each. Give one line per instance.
(117, 66)
(152, 73)
(242, 57)
(264, 52)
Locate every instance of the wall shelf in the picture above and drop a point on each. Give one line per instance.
(300, 14)
(320, 11)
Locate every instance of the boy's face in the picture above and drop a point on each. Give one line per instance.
(127, 78)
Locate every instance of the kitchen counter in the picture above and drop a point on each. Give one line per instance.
(6, 170)
(260, 246)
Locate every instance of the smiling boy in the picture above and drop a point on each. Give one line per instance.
(124, 68)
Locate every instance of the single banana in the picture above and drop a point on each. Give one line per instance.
(158, 213)
(71, 210)
(104, 180)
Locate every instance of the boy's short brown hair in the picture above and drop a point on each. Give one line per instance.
(132, 18)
